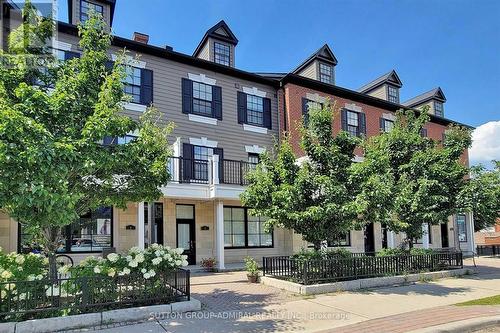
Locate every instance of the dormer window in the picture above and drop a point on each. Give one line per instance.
(326, 73)
(392, 94)
(86, 7)
(222, 54)
(438, 109)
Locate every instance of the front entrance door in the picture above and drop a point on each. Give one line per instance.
(369, 238)
(186, 231)
(444, 235)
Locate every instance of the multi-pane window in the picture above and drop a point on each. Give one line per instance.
(241, 229)
(222, 54)
(202, 99)
(393, 94)
(326, 73)
(388, 125)
(86, 7)
(132, 83)
(253, 158)
(438, 109)
(353, 123)
(462, 229)
(344, 240)
(255, 110)
(429, 232)
(122, 140)
(200, 163)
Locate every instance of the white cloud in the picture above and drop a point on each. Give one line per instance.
(485, 144)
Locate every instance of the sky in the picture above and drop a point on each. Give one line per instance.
(453, 44)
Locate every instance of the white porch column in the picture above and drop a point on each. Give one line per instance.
(472, 242)
(425, 235)
(215, 168)
(390, 239)
(150, 224)
(140, 225)
(219, 234)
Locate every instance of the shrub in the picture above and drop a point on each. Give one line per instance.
(400, 252)
(311, 254)
(208, 263)
(251, 266)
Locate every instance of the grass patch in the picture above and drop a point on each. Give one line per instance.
(493, 300)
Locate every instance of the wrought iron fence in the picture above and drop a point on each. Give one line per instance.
(22, 300)
(187, 170)
(235, 172)
(488, 250)
(339, 269)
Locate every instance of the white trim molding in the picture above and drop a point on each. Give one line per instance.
(202, 119)
(316, 98)
(255, 149)
(201, 78)
(254, 91)
(353, 107)
(134, 62)
(135, 107)
(389, 116)
(256, 129)
(358, 159)
(203, 142)
(57, 44)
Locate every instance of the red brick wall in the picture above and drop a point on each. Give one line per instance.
(293, 113)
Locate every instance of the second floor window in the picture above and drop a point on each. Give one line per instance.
(202, 99)
(222, 54)
(86, 7)
(254, 110)
(132, 84)
(253, 158)
(326, 73)
(386, 125)
(353, 122)
(393, 94)
(309, 105)
(438, 109)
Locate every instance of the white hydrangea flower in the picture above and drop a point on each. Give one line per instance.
(146, 275)
(22, 296)
(6, 274)
(31, 277)
(143, 271)
(152, 273)
(113, 257)
(129, 258)
(3, 294)
(134, 249)
(179, 250)
(139, 257)
(184, 263)
(20, 268)
(158, 253)
(157, 261)
(20, 259)
(111, 272)
(45, 261)
(178, 262)
(133, 264)
(39, 277)
(97, 269)
(184, 257)
(126, 271)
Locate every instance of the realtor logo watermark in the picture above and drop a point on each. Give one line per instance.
(253, 315)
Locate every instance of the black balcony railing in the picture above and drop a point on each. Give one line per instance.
(235, 172)
(186, 170)
(309, 271)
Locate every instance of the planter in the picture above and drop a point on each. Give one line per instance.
(253, 278)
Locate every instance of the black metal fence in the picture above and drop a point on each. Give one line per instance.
(22, 300)
(235, 172)
(188, 170)
(488, 250)
(356, 267)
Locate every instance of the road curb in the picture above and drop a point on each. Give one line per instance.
(462, 326)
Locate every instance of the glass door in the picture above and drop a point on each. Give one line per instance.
(186, 232)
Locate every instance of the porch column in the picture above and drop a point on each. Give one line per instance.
(215, 168)
(140, 225)
(472, 242)
(150, 224)
(425, 235)
(219, 234)
(390, 239)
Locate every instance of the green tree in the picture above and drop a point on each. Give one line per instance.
(408, 179)
(482, 196)
(54, 117)
(313, 195)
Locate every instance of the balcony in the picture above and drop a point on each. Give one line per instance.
(207, 179)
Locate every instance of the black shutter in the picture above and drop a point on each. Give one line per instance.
(187, 96)
(423, 132)
(343, 119)
(267, 113)
(68, 55)
(362, 124)
(146, 86)
(109, 65)
(220, 153)
(242, 108)
(187, 162)
(382, 124)
(305, 111)
(217, 102)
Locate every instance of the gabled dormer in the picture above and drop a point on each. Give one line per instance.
(384, 87)
(319, 66)
(217, 45)
(79, 10)
(434, 98)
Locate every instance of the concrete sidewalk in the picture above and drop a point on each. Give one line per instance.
(233, 305)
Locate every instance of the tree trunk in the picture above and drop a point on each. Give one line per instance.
(53, 238)
(410, 243)
(317, 246)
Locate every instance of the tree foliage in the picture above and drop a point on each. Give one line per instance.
(53, 118)
(408, 179)
(313, 196)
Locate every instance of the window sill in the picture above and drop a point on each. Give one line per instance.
(256, 129)
(135, 107)
(202, 119)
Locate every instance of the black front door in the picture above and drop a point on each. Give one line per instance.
(186, 231)
(444, 235)
(369, 238)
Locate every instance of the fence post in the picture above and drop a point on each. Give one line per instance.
(304, 272)
(263, 266)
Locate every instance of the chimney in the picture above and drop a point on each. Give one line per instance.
(141, 38)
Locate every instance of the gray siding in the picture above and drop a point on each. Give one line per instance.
(205, 52)
(380, 92)
(310, 71)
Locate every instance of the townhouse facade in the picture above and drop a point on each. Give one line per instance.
(224, 118)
